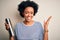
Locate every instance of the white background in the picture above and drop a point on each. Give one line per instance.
(8, 9)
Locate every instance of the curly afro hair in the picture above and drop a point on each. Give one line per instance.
(25, 4)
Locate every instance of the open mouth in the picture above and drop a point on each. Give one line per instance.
(28, 18)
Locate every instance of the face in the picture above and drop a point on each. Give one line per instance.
(28, 13)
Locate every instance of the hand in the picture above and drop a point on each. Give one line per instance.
(7, 26)
(46, 23)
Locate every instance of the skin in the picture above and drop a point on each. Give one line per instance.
(28, 15)
(46, 28)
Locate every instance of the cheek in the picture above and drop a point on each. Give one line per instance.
(25, 15)
(32, 15)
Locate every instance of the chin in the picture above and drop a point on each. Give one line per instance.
(28, 20)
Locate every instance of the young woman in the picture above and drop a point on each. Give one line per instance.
(29, 29)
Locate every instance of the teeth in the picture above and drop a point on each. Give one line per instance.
(28, 18)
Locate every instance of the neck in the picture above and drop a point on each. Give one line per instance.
(29, 22)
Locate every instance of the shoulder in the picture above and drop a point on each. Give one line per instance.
(40, 26)
(19, 24)
(38, 23)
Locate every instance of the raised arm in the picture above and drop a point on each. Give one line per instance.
(46, 28)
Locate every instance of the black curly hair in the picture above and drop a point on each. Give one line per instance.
(25, 4)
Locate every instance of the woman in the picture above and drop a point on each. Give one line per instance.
(29, 29)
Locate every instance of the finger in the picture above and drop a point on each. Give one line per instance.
(47, 22)
(49, 18)
(44, 21)
(5, 24)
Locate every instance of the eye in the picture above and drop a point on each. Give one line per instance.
(25, 12)
(32, 13)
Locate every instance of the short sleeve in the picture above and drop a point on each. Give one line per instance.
(15, 32)
(42, 32)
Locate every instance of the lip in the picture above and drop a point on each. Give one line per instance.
(28, 18)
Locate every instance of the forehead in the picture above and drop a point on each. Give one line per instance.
(29, 9)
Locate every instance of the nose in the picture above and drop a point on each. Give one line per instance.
(29, 14)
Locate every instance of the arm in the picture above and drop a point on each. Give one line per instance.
(10, 35)
(46, 28)
(45, 35)
(11, 38)
(7, 28)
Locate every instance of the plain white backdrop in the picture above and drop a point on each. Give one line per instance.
(8, 9)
